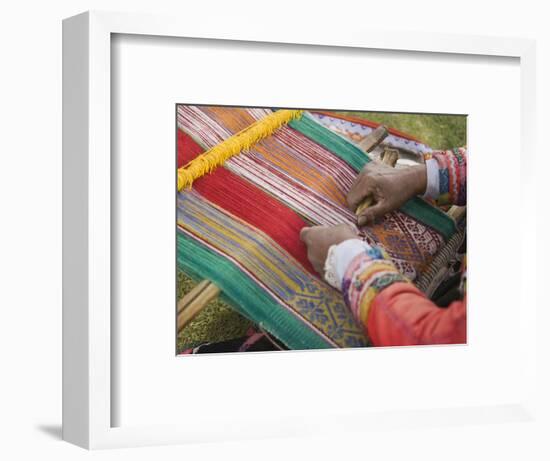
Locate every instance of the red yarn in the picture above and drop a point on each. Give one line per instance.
(188, 149)
(247, 202)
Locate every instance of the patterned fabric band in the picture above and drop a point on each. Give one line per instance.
(446, 174)
(368, 273)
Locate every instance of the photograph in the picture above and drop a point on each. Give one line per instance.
(316, 228)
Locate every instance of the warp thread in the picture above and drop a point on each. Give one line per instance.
(245, 201)
(239, 142)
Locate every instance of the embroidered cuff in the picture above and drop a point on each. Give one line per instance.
(364, 278)
(451, 177)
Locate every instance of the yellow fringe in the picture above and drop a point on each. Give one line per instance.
(241, 141)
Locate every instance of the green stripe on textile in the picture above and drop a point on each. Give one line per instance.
(356, 158)
(198, 261)
(430, 216)
(335, 143)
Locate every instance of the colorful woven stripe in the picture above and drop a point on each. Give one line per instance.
(251, 299)
(245, 201)
(262, 261)
(245, 217)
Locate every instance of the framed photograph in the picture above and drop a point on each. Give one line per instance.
(297, 199)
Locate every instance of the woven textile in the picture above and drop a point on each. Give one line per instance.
(239, 226)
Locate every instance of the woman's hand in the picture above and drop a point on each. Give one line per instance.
(389, 187)
(319, 239)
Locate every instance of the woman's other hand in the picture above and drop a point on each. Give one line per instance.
(319, 239)
(388, 187)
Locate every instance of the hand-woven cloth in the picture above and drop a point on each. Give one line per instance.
(239, 225)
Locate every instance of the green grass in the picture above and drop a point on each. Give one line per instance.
(216, 322)
(438, 131)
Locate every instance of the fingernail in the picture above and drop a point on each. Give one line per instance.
(361, 220)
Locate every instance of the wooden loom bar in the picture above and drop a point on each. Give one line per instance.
(194, 301)
(456, 212)
(369, 142)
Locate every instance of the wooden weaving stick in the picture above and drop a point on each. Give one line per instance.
(369, 142)
(194, 301)
(390, 157)
(456, 212)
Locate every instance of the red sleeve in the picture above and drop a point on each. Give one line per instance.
(401, 315)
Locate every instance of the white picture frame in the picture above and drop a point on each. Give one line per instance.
(87, 182)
